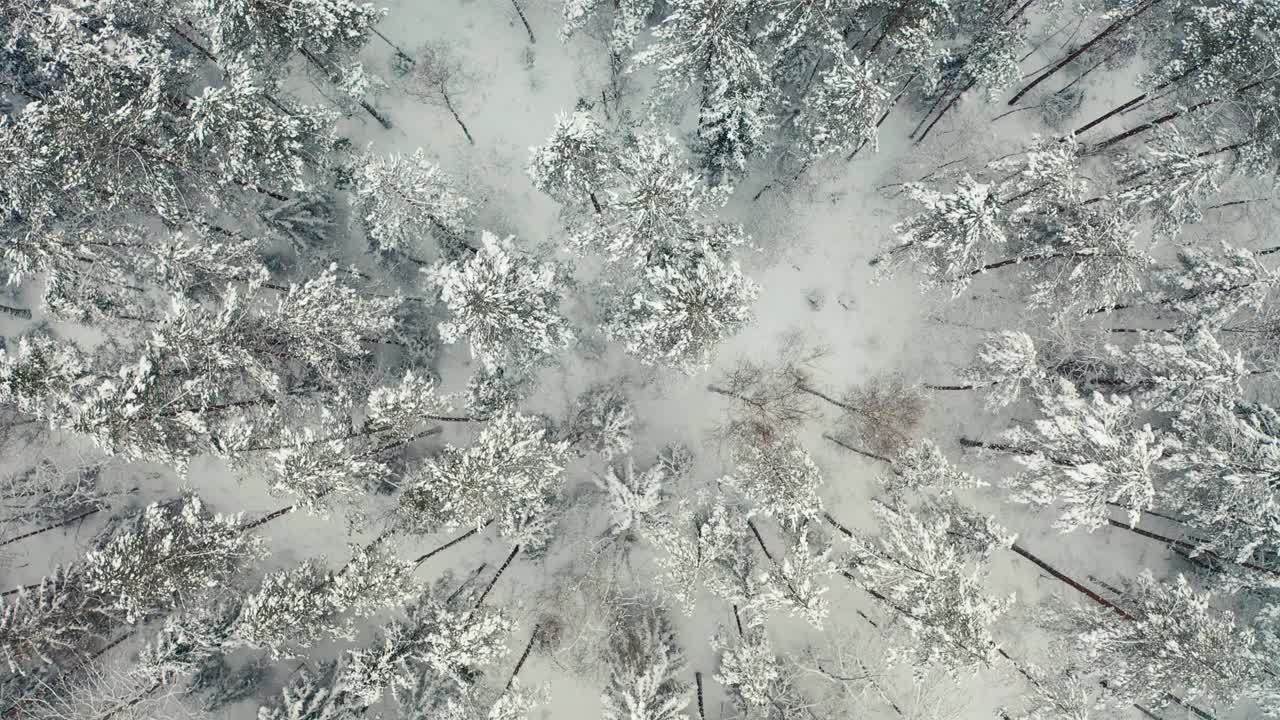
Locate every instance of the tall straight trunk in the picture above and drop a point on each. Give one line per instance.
(1025, 259)
(269, 517)
(75, 518)
(929, 113)
(525, 20)
(888, 25)
(466, 583)
(528, 648)
(21, 313)
(1168, 117)
(503, 568)
(1072, 583)
(1110, 114)
(401, 53)
(885, 115)
(428, 555)
(697, 678)
(1106, 32)
(954, 99)
(1190, 548)
(1134, 102)
(851, 448)
(333, 77)
(456, 118)
(1188, 706)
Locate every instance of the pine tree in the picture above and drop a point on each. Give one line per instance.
(576, 162)
(1085, 454)
(1004, 363)
(1218, 481)
(1184, 372)
(934, 582)
(708, 44)
(290, 611)
(629, 20)
(780, 479)
(950, 238)
(796, 584)
(166, 556)
(436, 642)
(401, 198)
(329, 34)
(842, 113)
(337, 459)
(685, 303)
(511, 475)
(923, 466)
(715, 555)
(504, 304)
(759, 681)
(294, 608)
(645, 672)
(634, 497)
(313, 696)
(245, 136)
(1177, 640)
(602, 420)
(1208, 289)
(50, 622)
(656, 205)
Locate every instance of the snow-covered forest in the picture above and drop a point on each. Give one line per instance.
(640, 360)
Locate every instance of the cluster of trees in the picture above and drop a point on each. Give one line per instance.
(172, 227)
(183, 289)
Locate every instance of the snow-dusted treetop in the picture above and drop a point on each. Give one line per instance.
(505, 304)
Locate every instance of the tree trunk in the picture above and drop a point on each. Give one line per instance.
(505, 563)
(525, 20)
(1167, 117)
(1189, 548)
(47, 528)
(403, 55)
(702, 714)
(1002, 447)
(22, 313)
(1106, 32)
(456, 118)
(1069, 581)
(463, 586)
(1110, 114)
(885, 115)
(427, 556)
(373, 112)
(528, 648)
(860, 451)
(269, 517)
(954, 99)
(737, 619)
(928, 113)
(1188, 706)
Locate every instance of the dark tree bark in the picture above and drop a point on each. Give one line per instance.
(1106, 32)
(75, 518)
(525, 20)
(503, 568)
(427, 556)
(528, 648)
